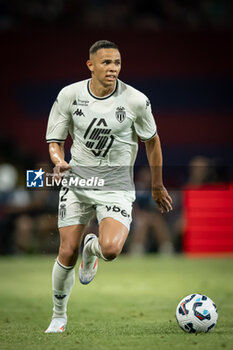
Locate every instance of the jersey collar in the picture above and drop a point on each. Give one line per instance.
(101, 98)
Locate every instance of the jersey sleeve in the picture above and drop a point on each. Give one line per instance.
(59, 119)
(144, 124)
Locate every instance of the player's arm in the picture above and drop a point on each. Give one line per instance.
(57, 129)
(57, 155)
(159, 192)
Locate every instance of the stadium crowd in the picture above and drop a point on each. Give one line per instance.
(28, 219)
(155, 15)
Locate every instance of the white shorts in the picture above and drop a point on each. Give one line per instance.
(76, 208)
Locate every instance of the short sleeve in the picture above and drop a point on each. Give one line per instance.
(144, 124)
(59, 119)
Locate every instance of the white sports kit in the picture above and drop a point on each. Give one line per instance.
(105, 136)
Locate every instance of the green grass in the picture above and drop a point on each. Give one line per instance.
(130, 304)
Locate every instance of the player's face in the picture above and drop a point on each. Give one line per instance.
(105, 66)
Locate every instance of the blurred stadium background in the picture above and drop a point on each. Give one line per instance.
(180, 54)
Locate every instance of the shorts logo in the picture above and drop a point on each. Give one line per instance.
(62, 211)
(116, 209)
(35, 178)
(120, 114)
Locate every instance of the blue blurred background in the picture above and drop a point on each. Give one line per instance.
(179, 53)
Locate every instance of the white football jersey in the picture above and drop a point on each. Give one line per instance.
(104, 130)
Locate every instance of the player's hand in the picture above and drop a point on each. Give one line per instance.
(162, 199)
(60, 169)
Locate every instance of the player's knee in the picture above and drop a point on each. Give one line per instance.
(69, 254)
(110, 251)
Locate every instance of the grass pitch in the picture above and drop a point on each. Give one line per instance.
(130, 305)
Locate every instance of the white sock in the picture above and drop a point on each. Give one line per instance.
(63, 278)
(94, 248)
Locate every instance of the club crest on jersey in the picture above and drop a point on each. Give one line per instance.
(120, 114)
(62, 211)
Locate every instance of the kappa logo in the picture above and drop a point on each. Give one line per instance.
(79, 112)
(60, 296)
(120, 114)
(117, 209)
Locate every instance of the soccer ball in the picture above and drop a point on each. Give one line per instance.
(196, 313)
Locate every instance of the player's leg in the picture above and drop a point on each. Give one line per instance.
(113, 231)
(112, 237)
(63, 275)
(70, 241)
(114, 223)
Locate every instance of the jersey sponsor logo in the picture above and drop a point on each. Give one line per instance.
(83, 102)
(35, 178)
(120, 114)
(98, 138)
(117, 209)
(79, 112)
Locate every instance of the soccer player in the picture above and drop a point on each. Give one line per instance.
(104, 117)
